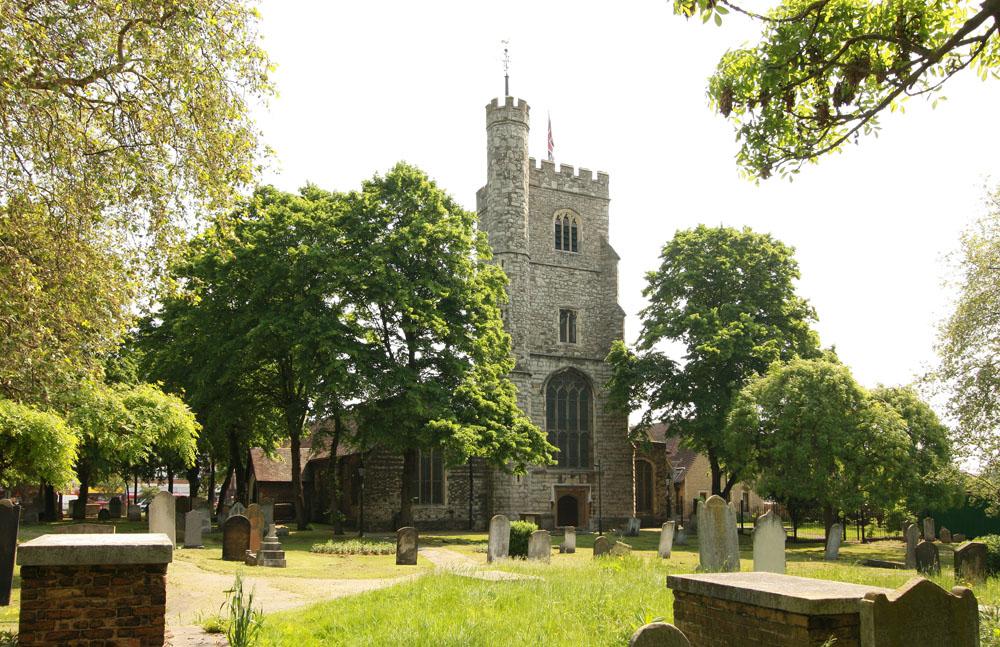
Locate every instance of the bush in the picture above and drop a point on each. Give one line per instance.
(520, 532)
(992, 552)
(355, 547)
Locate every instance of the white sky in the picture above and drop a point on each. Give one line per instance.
(364, 84)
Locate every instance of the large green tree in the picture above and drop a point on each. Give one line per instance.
(34, 445)
(429, 301)
(825, 71)
(118, 120)
(728, 296)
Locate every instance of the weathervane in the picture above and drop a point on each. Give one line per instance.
(506, 69)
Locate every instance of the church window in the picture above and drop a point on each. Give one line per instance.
(567, 419)
(567, 230)
(428, 486)
(643, 487)
(567, 326)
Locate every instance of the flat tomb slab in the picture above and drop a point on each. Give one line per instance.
(76, 550)
(801, 595)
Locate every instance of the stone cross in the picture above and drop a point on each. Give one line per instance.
(927, 557)
(115, 508)
(945, 535)
(920, 613)
(602, 546)
(833, 543)
(134, 513)
(666, 540)
(540, 546)
(769, 544)
(970, 562)
(929, 534)
(235, 538)
(257, 527)
(569, 540)
(406, 546)
(192, 529)
(499, 546)
(10, 519)
(912, 537)
(161, 515)
(658, 634)
(718, 544)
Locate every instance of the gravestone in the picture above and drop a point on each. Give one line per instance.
(83, 529)
(103, 515)
(115, 508)
(271, 553)
(769, 544)
(620, 548)
(958, 538)
(235, 538)
(602, 546)
(499, 546)
(161, 515)
(680, 536)
(237, 508)
(632, 527)
(192, 529)
(257, 527)
(134, 513)
(205, 510)
(658, 634)
(928, 560)
(920, 613)
(970, 562)
(540, 546)
(406, 546)
(945, 535)
(929, 534)
(666, 540)
(833, 543)
(223, 515)
(10, 519)
(912, 535)
(718, 544)
(267, 507)
(569, 540)
(906, 526)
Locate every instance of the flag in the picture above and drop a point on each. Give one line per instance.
(551, 143)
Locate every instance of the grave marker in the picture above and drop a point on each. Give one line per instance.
(499, 546)
(602, 546)
(115, 508)
(192, 529)
(970, 562)
(237, 508)
(235, 538)
(632, 527)
(958, 538)
(134, 513)
(680, 536)
(920, 613)
(161, 515)
(912, 535)
(569, 540)
(620, 548)
(929, 534)
(927, 558)
(257, 527)
(406, 546)
(769, 544)
(718, 544)
(833, 543)
(945, 535)
(10, 519)
(267, 507)
(540, 546)
(103, 515)
(659, 634)
(666, 540)
(202, 508)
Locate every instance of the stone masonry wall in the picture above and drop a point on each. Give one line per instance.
(711, 622)
(93, 606)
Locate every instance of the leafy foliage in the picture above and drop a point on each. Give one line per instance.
(245, 622)
(825, 70)
(355, 547)
(34, 445)
(520, 534)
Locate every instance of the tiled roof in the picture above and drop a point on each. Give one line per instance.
(279, 468)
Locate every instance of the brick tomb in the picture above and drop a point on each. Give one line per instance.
(761, 609)
(94, 590)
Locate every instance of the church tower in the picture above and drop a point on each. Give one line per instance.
(548, 229)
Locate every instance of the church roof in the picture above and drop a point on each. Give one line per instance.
(681, 458)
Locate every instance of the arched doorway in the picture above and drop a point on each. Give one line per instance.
(567, 511)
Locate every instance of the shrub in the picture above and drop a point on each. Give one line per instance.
(520, 532)
(212, 623)
(8, 639)
(355, 547)
(992, 552)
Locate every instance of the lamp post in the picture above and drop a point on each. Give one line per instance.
(600, 500)
(361, 516)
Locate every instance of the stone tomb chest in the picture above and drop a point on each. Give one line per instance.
(767, 609)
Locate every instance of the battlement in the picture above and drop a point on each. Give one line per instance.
(509, 111)
(564, 179)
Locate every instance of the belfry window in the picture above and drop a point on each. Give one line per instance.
(567, 326)
(567, 419)
(567, 229)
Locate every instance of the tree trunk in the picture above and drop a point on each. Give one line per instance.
(194, 479)
(50, 503)
(211, 482)
(300, 509)
(237, 467)
(828, 521)
(406, 488)
(170, 480)
(336, 518)
(80, 507)
(222, 491)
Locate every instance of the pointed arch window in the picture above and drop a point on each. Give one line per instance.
(567, 230)
(643, 487)
(567, 419)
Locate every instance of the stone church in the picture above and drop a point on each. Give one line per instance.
(548, 229)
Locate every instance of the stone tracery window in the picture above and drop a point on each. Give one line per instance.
(568, 419)
(567, 230)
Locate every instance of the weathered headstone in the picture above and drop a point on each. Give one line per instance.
(540, 545)
(906, 526)
(929, 534)
(205, 510)
(718, 543)
(658, 634)
(602, 546)
(620, 548)
(680, 536)
(161, 515)
(192, 529)
(103, 515)
(267, 507)
(666, 540)
(83, 529)
(406, 546)
(970, 562)
(499, 546)
(944, 535)
(912, 536)
(235, 538)
(958, 538)
(632, 527)
(257, 527)
(237, 508)
(115, 508)
(769, 544)
(134, 513)
(271, 553)
(569, 540)
(928, 560)
(920, 613)
(833, 542)
(10, 519)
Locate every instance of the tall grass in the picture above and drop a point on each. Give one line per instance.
(245, 622)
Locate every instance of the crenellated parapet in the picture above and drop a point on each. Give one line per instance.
(510, 111)
(565, 179)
